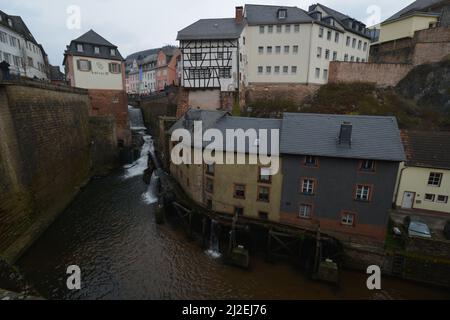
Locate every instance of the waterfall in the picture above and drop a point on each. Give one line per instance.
(136, 119)
(151, 196)
(213, 250)
(138, 167)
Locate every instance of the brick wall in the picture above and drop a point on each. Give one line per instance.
(112, 103)
(44, 158)
(382, 74)
(294, 92)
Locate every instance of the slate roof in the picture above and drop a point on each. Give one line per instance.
(342, 19)
(56, 74)
(18, 25)
(142, 54)
(222, 121)
(416, 6)
(374, 138)
(266, 14)
(427, 149)
(90, 40)
(211, 29)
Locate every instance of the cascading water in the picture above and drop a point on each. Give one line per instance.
(136, 119)
(151, 196)
(213, 250)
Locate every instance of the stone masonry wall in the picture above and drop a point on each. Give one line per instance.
(44, 158)
(112, 103)
(289, 91)
(382, 74)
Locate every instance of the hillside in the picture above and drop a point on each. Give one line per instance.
(421, 101)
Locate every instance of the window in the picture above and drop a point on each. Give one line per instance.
(285, 69)
(263, 215)
(327, 54)
(295, 49)
(268, 70)
(346, 57)
(288, 28)
(30, 62)
(239, 191)
(305, 211)
(308, 186)
(442, 199)
(430, 197)
(329, 35)
(269, 50)
(209, 185)
(210, 169)
(311, 161)
(261, 29)
(96, 50)
(225, 73)
(294, 69)
(336, 37)
(317, 73)
(3, 37)
(435, 179)
(321, 33)
(84, 65)
(80, 48)
(115, 68)
(359, 44)
(264, 175)
(282, 14)
(348, 41)
(238, 211)
(286, 49)
(354, 43)
(365, 46)
(297, 28)
(260, 69)
(277, 69)
(334, 55)
(319, 52)
(367, 166)
(264, 194)
(16, 61)
(352, 58)
(278, 49)
(325, 74)
(279, 28)
(220, 55)
(363, 193)
(196, 56)
(260, 50)
(243, 41)
(348, 219)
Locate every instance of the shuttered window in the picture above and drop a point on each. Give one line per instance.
(84, 65)
(114, 68)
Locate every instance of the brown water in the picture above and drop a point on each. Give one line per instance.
(109, 231)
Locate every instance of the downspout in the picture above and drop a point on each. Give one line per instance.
(309, 54)
(398, 184)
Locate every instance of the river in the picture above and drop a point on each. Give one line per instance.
(109, 231)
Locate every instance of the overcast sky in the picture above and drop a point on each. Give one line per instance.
(135, 25)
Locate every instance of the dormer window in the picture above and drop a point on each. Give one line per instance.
(113, 52)
(80, 48)
(282, 14)
(97, 50)
(10, 23)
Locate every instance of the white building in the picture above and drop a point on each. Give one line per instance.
(269, 44)
(290, 45)
(92, 62)
(19, 48)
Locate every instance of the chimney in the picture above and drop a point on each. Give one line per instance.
(239, 14)
(345, 135)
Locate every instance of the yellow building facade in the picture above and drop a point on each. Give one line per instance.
(406, 26)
